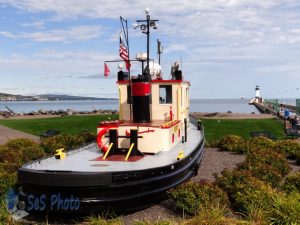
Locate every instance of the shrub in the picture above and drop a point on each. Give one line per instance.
(298, 158)
(256, 214)
(232, 143)
(292, 183)
(255, 192)
(87, 136)
(232, 180)
(239, 184)
(213, 216)
(264, 172)
(51, 144)
(99, 220)
(259, 143)
(5, 217)
(275, 159)
(214, 143)
(159, 222)
(19, 151)
(7, 180)
(284, 209)
(288, 147)
(188, 197)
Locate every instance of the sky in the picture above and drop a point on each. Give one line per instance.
(226, 47)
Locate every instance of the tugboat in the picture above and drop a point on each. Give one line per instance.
(152, 147)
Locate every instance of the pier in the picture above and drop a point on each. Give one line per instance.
(263, 109)
(271, 106)
(285, 112)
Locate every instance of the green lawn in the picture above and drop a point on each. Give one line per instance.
(66, 124)
(215, 129)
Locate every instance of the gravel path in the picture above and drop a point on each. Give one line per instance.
(7, 134)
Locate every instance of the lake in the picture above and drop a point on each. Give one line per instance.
(197, 105)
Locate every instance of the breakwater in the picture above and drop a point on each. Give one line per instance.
(274, 109)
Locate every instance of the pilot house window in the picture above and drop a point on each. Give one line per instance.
(165, 94)
(128, 94)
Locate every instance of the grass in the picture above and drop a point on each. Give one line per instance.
(66, 124)
(215, 129)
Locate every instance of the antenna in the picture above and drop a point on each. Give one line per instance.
(181, 62)
(159, 50)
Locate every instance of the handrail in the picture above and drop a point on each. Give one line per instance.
(108, 150)
(130, 149)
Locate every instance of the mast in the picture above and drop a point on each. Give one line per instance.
(159, 50)
(145, 27)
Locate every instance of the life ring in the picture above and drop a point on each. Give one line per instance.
(102, 132)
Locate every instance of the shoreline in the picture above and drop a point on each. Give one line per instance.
(103, 112)
(231, 115)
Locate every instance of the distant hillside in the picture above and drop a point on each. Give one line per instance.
(46, 97)
(10, 97)
(52, 97)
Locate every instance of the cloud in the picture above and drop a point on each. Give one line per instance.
(7, 34)
(75, 33)
(220, 41)
(38, 24)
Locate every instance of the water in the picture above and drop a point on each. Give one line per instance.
(222, 105)
(197, 105)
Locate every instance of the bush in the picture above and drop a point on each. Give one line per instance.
(51, 144)
(214, 143)
(7, 179)
(257, 201)
(275, 159)
(99, 220)
(159, 222)
(188, 197)
(298, 158)
(259, 143)
(289, 147)
(5, 217)
(264, 172)
(19, 151)
(255, 192)
(232, 143)
(267, 206)
(292, 183)
(284, 209)
(213, 216)
(232, 181)
(88, 136)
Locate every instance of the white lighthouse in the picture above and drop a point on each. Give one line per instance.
(257, 90)
(257, 98)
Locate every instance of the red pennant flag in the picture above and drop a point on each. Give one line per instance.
(106, 70)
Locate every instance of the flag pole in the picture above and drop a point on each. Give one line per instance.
(125, 32)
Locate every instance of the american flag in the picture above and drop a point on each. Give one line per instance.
(124, 53)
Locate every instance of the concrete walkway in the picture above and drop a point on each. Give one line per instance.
(7, 134)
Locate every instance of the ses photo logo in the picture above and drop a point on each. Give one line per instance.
(56, 202)
(40, 203)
